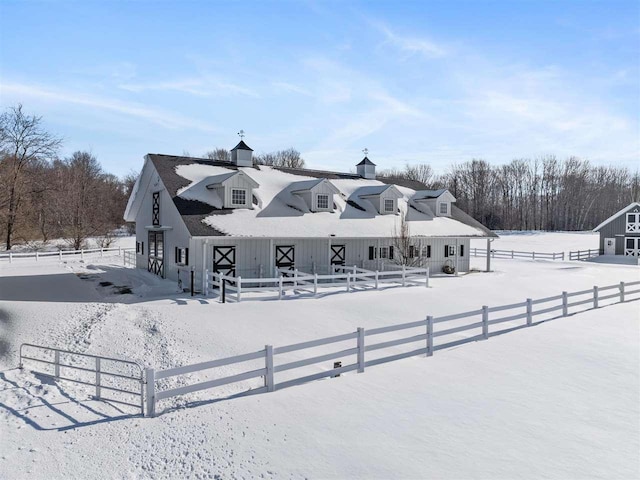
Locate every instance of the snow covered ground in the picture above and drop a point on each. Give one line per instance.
(531, 240)
(557, 400)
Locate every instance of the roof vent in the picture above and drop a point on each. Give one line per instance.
(241, 154)
(366, 168)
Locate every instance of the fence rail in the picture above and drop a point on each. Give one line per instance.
(481, 319)
(231, 287)
(584, 254)
(61, 254)
(63, 359)
(482, 252)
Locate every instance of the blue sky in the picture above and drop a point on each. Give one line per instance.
(439, 82)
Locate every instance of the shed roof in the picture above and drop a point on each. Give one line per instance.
(616, 215)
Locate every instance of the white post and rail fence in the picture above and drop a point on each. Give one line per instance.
(61, 255)
(350, 278)
(276, 372)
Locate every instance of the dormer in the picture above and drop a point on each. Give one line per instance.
(235, 189)
(242, 155)
(438, 201)
(317, 194)
(384, 198)
(366, 169)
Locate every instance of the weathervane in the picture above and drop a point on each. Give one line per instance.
(365, 151)
(241, 134)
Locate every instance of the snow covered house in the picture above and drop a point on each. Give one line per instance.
(246, 220)
(620, 233)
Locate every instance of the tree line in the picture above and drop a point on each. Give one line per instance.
(45, 197)
(533, 194)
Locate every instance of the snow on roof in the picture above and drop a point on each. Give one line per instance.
(616, 215)
(280, 213)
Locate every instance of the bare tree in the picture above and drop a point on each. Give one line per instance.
(23, 143)
(220, 154)
(289, 158)
(406, 250)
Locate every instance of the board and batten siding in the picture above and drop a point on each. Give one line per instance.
(238, 182)
(256, 256)
(617, 229)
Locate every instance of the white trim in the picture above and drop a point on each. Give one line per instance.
(238, 189)
(318, 207)
(616, 215)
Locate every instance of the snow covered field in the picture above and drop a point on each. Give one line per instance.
(557, 400)
(537, 241)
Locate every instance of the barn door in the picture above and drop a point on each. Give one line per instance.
(224, 260)
(285, 256)
(156, 253)
(632, 246)
(337, 254)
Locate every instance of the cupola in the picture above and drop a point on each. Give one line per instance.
(242, 154)
(366, 168)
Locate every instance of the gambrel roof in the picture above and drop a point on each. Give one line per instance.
(616, 215)
(277, 211)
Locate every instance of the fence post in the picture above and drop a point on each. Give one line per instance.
(119, 251)
(10, 257)
(429, 336)
(595, 296)
(205, 282)
(315, 283)
(295, 277)
(239, 288)
(565, 304)
(60, 254)
(151, 392)
(348, 282)
(426, 282)
(280, 288)
(404, 284)
(36, 256)
(97, 377)
(360, 349)
(511, 253)
(101, 252)
(529, 311)
(621, 292)
(563, 256)
(376, 279)
(485, 322)
(534, 255)
(268, 358)
(57, 363)
(82, 254)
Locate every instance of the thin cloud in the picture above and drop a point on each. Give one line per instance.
(158, 117)
(411, 45)
(199, 87)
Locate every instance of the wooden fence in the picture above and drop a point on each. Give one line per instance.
(584, 254)
(482, 252)
(428, 330)
(228, 287)
(60, 254)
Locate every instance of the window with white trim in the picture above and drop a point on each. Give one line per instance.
(322, 201)
(389, 205)
(633, 223)
(426, 251)
(238, 196)
(444, 208)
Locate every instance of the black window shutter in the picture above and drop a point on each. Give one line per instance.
(177, 256)
(372, 253)
(428, 251)
(142, 248)
(446, 250)
(137, 247)
(390, 253)
(186, 256)
(462, 250)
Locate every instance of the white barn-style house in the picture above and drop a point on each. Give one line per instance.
(620, 233)
(248, 220)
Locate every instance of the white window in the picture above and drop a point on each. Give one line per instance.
(238, 196)
(322, 202)
(633, 222)
(389, 205)
(444, 208)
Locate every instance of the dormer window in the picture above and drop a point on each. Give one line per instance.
(389, 205)
(444, 208)
(238, 197)
(322, 202)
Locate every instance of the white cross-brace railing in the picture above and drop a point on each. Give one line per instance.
(482, 320)
(62, 366)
